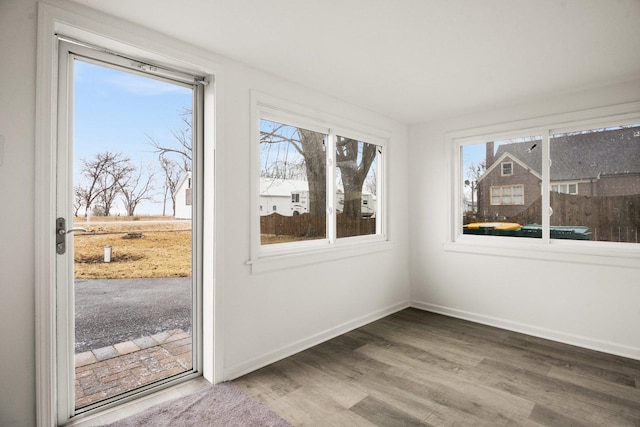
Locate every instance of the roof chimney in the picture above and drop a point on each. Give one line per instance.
(489, 156)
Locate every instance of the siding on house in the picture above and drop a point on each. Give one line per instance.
(600, 163)
(183, 196)
(521, 176)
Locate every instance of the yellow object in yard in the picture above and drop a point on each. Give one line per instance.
(506, 226)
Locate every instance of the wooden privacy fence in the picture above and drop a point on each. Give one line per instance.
(611, 219)
(307, 225)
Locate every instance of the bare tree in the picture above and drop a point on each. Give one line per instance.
(91, 171)
(473, 172)
(134, 188)
(183, 150)
(118, 171)
(285, 169)
(101, 175)
(311, 147)
(78, 199)
(288, 163)
(371, 182)
(354, 159)
(172, 176)
(176, 158)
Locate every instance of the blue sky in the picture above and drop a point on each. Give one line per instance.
(113, 110)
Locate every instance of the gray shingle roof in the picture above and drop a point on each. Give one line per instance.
(583, 156)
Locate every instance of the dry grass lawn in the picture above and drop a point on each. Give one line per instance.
(164, 250)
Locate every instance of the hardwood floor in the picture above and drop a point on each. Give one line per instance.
(415, 368)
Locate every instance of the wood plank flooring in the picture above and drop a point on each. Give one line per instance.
(415, 368)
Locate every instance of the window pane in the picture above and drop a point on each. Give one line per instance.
(604, 204)
(356, 187)
(500, 203)
(506, 196)
(134, 270)
(292, 181)
(496, 193)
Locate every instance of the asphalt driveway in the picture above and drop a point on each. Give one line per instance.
(111, 311)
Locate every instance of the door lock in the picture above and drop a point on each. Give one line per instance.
(61, 235)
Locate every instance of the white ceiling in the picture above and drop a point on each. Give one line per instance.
(412, 60)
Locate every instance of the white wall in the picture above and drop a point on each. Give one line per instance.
(263, 316)
(267, 314)
(17, 113)
(590, 305)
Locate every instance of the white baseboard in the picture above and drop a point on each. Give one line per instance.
(577, 340)
(239, 369)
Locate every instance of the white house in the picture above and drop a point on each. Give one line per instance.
(275, 195)
(290, 197)
(184, 198)
(422, 77)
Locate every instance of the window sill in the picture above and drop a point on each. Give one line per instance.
(594, 253)
(269, 263)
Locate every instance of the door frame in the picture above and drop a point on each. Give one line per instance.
(95, 28)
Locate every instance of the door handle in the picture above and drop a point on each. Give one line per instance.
(71, 230)
(61, 233)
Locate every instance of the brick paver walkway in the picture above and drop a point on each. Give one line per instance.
(111, 370)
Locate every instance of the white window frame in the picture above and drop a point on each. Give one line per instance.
(502, 188)
(502, 165)
(568, 184)
(545, 248)
(291, 254)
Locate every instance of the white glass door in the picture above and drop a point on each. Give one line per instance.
(128, 196)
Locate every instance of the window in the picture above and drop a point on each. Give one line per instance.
(326, 182)
(292, 159)
(588, 189)
(356, 171)
(495, 198)
(565, 188)
(507, 195)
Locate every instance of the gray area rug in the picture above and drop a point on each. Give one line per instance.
(220, 405)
